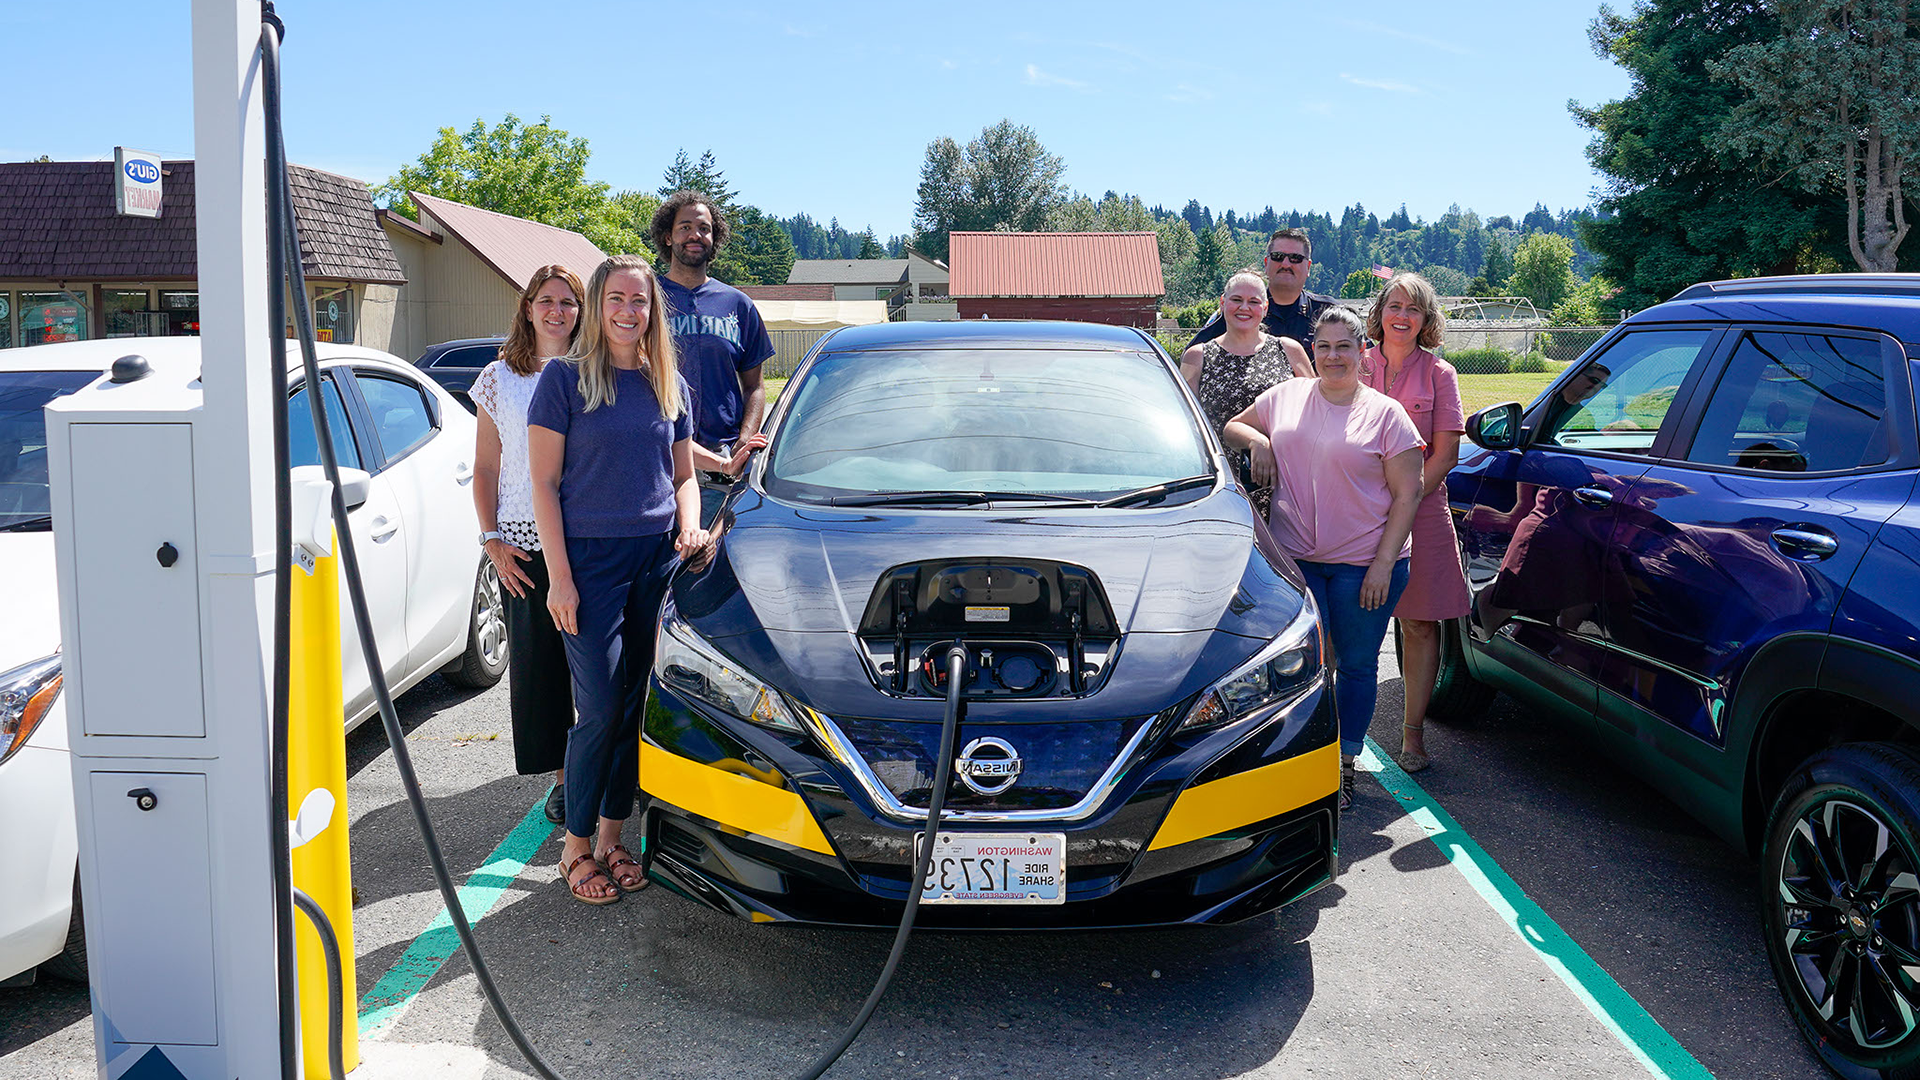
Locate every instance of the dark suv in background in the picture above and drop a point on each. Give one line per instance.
(455, 364)
(1702, 545)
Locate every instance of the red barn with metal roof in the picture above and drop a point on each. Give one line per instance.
(1109, 277)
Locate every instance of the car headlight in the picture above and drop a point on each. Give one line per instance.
(26, 693)
(690, 664)
(1275, 673)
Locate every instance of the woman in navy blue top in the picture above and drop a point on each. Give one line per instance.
(615, 502)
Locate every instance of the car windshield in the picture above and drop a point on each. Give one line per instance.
(986, 425)
(24, 503)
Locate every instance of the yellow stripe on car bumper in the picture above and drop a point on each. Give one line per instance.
(1256, 795)
(729, 799)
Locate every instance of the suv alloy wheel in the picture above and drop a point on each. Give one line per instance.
(1841, 907)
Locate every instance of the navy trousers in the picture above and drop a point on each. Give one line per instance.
(621, 581)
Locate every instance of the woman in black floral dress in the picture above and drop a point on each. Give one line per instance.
(1227, 373)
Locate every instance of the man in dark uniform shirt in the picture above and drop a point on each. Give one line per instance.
(1291, 310)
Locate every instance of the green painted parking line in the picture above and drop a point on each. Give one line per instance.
(382, 1006)
(1639, 1032)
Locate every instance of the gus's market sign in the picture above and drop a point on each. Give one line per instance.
(136, 183)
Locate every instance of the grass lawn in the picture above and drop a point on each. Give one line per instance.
(1479, 391)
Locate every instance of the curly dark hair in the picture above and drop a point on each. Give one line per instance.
(669, 209)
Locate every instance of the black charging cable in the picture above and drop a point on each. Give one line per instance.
(942, 776)
(283, 246)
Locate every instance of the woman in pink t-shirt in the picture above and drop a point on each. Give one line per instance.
(1344, 462)
(1406, 321)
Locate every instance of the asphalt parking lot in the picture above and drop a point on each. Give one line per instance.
(1427, 958)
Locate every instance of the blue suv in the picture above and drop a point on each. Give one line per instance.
(1702, 545)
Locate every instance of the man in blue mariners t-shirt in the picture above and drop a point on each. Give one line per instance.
(720, 338)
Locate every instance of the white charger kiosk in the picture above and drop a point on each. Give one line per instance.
(162, 500)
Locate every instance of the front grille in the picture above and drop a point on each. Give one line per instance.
(1061, 762)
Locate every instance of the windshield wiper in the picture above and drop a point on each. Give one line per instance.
(32, 524)
(1159, 491)
(962, 498)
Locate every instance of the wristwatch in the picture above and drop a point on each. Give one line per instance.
(490, 535)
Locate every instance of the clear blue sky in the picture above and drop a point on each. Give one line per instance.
(828, 107)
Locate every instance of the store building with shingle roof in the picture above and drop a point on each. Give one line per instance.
(73, 268)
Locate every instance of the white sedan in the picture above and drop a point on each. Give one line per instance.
(435, 602)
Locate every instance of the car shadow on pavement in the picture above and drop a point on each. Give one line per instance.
(33, 1013)
(657, 985)
(729, 999)
(1666, 908)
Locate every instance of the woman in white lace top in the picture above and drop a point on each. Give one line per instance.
(539, 686)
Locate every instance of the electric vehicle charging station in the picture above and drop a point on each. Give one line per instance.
(162, 499)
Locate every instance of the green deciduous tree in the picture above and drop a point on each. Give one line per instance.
(1004, 179)
(1586, 305)
(1831, 97)
(1677, 210)
(1359, 285)
(532, 171)
(1543, 269)
(620, 223)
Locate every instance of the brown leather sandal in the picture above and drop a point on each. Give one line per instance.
(566, 879)
(618, 856)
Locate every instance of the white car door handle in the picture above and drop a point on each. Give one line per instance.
(380, 529)
(462, 474)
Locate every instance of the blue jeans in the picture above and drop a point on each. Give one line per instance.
(1355, 634)
(621, 583)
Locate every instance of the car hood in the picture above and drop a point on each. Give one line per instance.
(807, 569)
(31, 628)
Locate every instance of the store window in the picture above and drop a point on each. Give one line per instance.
(47, 317)
(6, 319)
(333, 314)
(182, 310)
(126, 312)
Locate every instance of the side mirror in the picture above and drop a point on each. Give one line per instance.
(1496, 427)
(355, 484)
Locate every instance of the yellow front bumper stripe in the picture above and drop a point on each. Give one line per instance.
(729, 799)
(1245, 798)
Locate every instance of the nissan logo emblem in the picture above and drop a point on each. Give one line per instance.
(988, 765)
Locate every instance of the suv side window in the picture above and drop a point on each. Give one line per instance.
(402, 419)
(473, 356)
(1618, 400)
(1802, 402)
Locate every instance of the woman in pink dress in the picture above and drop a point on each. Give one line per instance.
(1406, 324)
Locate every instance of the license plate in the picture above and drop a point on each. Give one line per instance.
(995, 868)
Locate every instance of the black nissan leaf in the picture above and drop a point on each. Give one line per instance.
(1146, 733)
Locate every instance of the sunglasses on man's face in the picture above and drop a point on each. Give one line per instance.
(1293, 257)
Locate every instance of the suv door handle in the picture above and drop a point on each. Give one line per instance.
(462, 473)
(1597, 497)
(380, 528)
(1805, 542)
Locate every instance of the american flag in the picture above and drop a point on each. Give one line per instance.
(1384, 273)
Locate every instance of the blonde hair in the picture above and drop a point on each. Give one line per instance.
(595, 360)
(1420, 294)
(517, 351)
(1250, 274)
